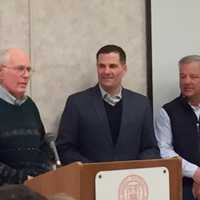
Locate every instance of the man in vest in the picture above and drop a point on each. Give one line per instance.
(177, 126)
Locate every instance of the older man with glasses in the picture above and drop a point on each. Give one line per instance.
(22, 146)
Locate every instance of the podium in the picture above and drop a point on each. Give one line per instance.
(78, 180)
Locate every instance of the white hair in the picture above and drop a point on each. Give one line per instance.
(4, 56)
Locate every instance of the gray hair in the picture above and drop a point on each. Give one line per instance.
(189, 59)
(19, 192)
(4, 56)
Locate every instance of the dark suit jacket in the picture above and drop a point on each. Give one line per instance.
(84, 132)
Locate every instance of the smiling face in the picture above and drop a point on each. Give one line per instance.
(110, 72)
(190, 81)
(12, 76)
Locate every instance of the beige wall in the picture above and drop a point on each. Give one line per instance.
(62, 37)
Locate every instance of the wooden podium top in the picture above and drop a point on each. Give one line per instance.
(78, 180)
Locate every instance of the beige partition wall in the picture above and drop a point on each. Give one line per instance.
(62, 37)
(14, 24)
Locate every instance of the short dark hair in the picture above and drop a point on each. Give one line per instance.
(112, 48)
(19, 192)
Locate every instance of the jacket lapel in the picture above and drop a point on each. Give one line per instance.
(124, 116)
(101, 113)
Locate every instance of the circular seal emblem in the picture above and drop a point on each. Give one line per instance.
(133, 187)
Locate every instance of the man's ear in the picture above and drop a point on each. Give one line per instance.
(125, 68)
(1, 72)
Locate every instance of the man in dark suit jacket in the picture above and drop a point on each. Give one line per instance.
(107, 122)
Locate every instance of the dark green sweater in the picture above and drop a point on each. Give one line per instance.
(21, 142)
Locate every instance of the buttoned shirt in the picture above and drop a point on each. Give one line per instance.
(9, 98)
(112, 100)
(164, 136)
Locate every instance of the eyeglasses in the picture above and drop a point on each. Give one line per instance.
(20, 69)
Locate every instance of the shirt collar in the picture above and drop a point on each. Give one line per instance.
(9, 98)
(112, 100)
(196, 109)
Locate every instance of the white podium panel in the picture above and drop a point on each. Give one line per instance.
(133, 184)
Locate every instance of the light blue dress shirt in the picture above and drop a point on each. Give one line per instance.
(164, 137)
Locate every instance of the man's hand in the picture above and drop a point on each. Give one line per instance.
(196, 184)
(196, 176)
(196, 190)
(29, 177)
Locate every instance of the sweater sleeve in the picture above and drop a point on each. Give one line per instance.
(9, 175)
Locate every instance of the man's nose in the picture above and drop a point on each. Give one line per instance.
(26, 73)
(187, 79)
(107, 70)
